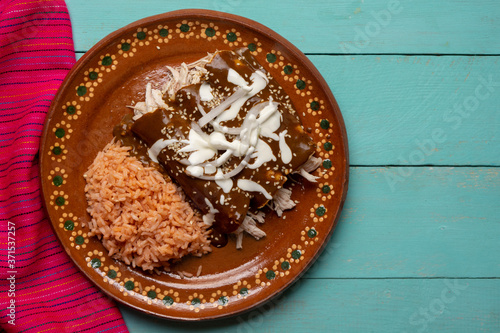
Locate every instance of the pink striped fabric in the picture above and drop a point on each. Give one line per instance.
(40, 288)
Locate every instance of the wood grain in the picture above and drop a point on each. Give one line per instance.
(381, 305)
(350, 26)
(433, 222)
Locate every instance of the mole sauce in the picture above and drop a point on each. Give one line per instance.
(176, 124)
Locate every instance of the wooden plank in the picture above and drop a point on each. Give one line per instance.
(433, 222)
(445, 27)
(311, 305)
(417, 110)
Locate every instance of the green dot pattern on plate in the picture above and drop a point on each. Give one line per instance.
(285, 265)
(324, 124)
(60, 132)
(196, 301)
(79, 240)
(210, 32)
(57, 150)
(270, 275)
(163, 32)
(81, 90)
(57, 181)
(296, 254)
(320, 211)
(152, 294)
(328, 146)
(288, 69)
(95, 263)
(326, 189)
(312, 233)
(314, 106)
(107, 60)
(223, 300)
(125, 47)
(231, 36)
(252, 47)
(243, 291)
(167, 300)
(129, 285)
(60, 201)
(112, 274)
(184, 28)
(141, 35)
(300, 84)
(327, 164)
(271, 57)
(69, 225)
(71, 109)
(93, 75)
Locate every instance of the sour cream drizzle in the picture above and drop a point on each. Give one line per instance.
(158, 146)
(251, 186)
(286, 153)
(262, 120)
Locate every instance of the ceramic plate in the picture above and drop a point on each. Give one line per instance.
(93, 98)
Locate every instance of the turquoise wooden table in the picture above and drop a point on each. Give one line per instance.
(417, 248)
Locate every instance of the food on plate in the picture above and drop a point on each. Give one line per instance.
(141, 217)
(226, 132)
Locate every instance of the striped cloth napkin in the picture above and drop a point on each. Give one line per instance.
(40, 288)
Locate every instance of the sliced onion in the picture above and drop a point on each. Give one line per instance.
(222, 107)
(195, 127)
(201, 109)
(224, 158)
(254, 110)
(157, 147)
(312, 163)
(231, 173)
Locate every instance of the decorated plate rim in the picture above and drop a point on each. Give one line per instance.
(246, 23)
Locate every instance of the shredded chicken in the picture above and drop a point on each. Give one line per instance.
(249, 225)
(282, 201)
(312, 164)
(259, 216)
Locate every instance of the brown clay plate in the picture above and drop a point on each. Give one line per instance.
(93, 99)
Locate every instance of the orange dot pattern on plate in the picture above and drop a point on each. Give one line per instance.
(97, 73)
